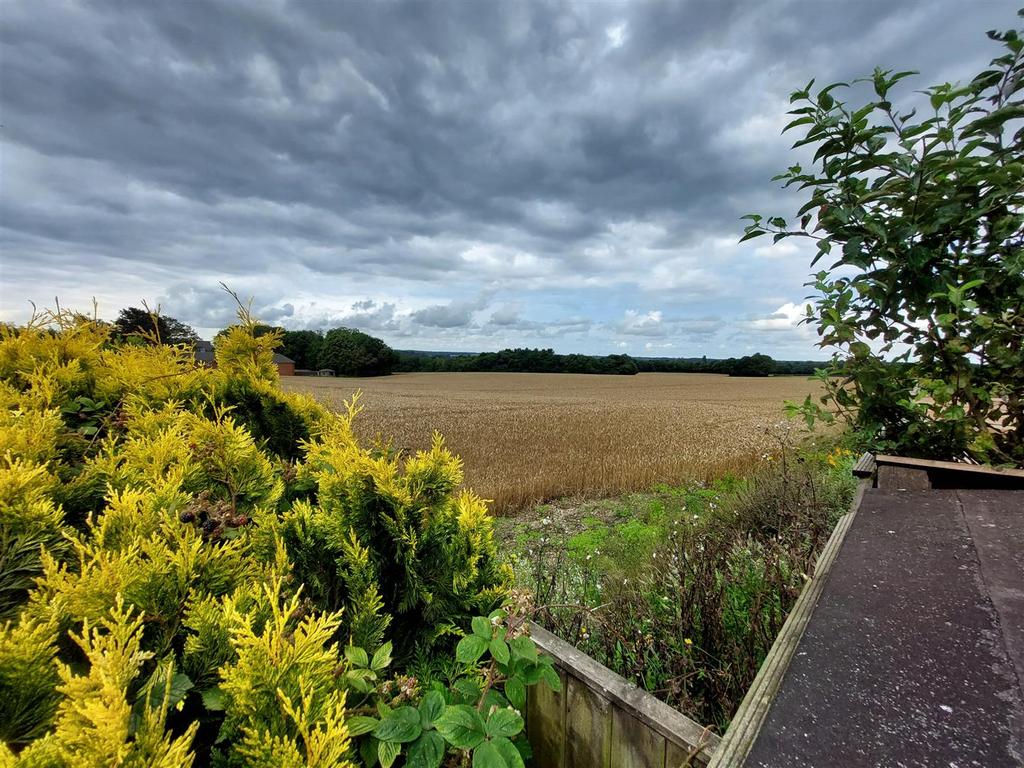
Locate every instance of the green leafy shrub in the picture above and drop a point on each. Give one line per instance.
(924, 223)
(686, 596)
(188, 557)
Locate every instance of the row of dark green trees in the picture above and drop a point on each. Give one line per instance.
(349, 352)
(346, 351)
(546, 361)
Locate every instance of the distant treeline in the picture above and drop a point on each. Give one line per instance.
(546, 361)
(348, 352)
(516, 361)
(750, 365)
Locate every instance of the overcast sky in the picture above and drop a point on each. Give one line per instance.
(448, 176)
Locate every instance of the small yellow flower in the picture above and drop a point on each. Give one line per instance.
(688, 642)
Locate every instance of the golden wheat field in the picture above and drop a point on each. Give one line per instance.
(529, 437)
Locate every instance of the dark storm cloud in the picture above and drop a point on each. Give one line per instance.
(313, 154)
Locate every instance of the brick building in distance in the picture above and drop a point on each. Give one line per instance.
(203, 351)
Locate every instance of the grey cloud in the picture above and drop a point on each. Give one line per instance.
(212, 307)
(539, 329)
(507, 315)
(371, 316)
(642, 323)
(316, 153)
(455, 314)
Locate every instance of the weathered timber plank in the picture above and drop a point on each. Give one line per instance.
(588, 727)
(902, 478)
(635, 744)
(680, 757)
(545, 719)
(865, 466)
(952, 466)
(658, 715)
(895, 472)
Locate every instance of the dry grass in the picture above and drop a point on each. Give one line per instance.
(531, 437)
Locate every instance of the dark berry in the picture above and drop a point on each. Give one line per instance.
(209, 526)
(187, 516)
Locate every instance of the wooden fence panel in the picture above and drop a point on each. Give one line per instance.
(634, 744)
(600, 720)
(545, 723)
(587, 727)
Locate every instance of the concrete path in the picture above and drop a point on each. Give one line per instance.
(914, 654)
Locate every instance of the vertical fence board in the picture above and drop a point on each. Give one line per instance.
(677, 756)
(545, 718)
(587, 727)
(634, 744)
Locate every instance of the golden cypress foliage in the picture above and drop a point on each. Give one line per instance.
(28, 677)
(184, 551)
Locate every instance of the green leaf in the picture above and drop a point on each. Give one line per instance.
(368, 751)
(860, 350)
(461, 726)
(213, 699)
(751, 234)
(504, 722)
(360, 724)
(358, 682)
(465, 691)
(426, 752)
(181, 684)
(509, 752)
(516, 692)
(431, 707)
(488, 756)
(357, 656)
(381, 657)
(531, 672)
(495, 699)
(482, 628)
(388, 752)
(799, 121)
(550, 676)
(499, 650)
(524, 648)
(470, 649)
(400, 726)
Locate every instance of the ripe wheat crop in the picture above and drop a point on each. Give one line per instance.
(530, 437)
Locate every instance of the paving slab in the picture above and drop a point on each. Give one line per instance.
(914, 653)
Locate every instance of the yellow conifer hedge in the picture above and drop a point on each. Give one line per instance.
(178, 581)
